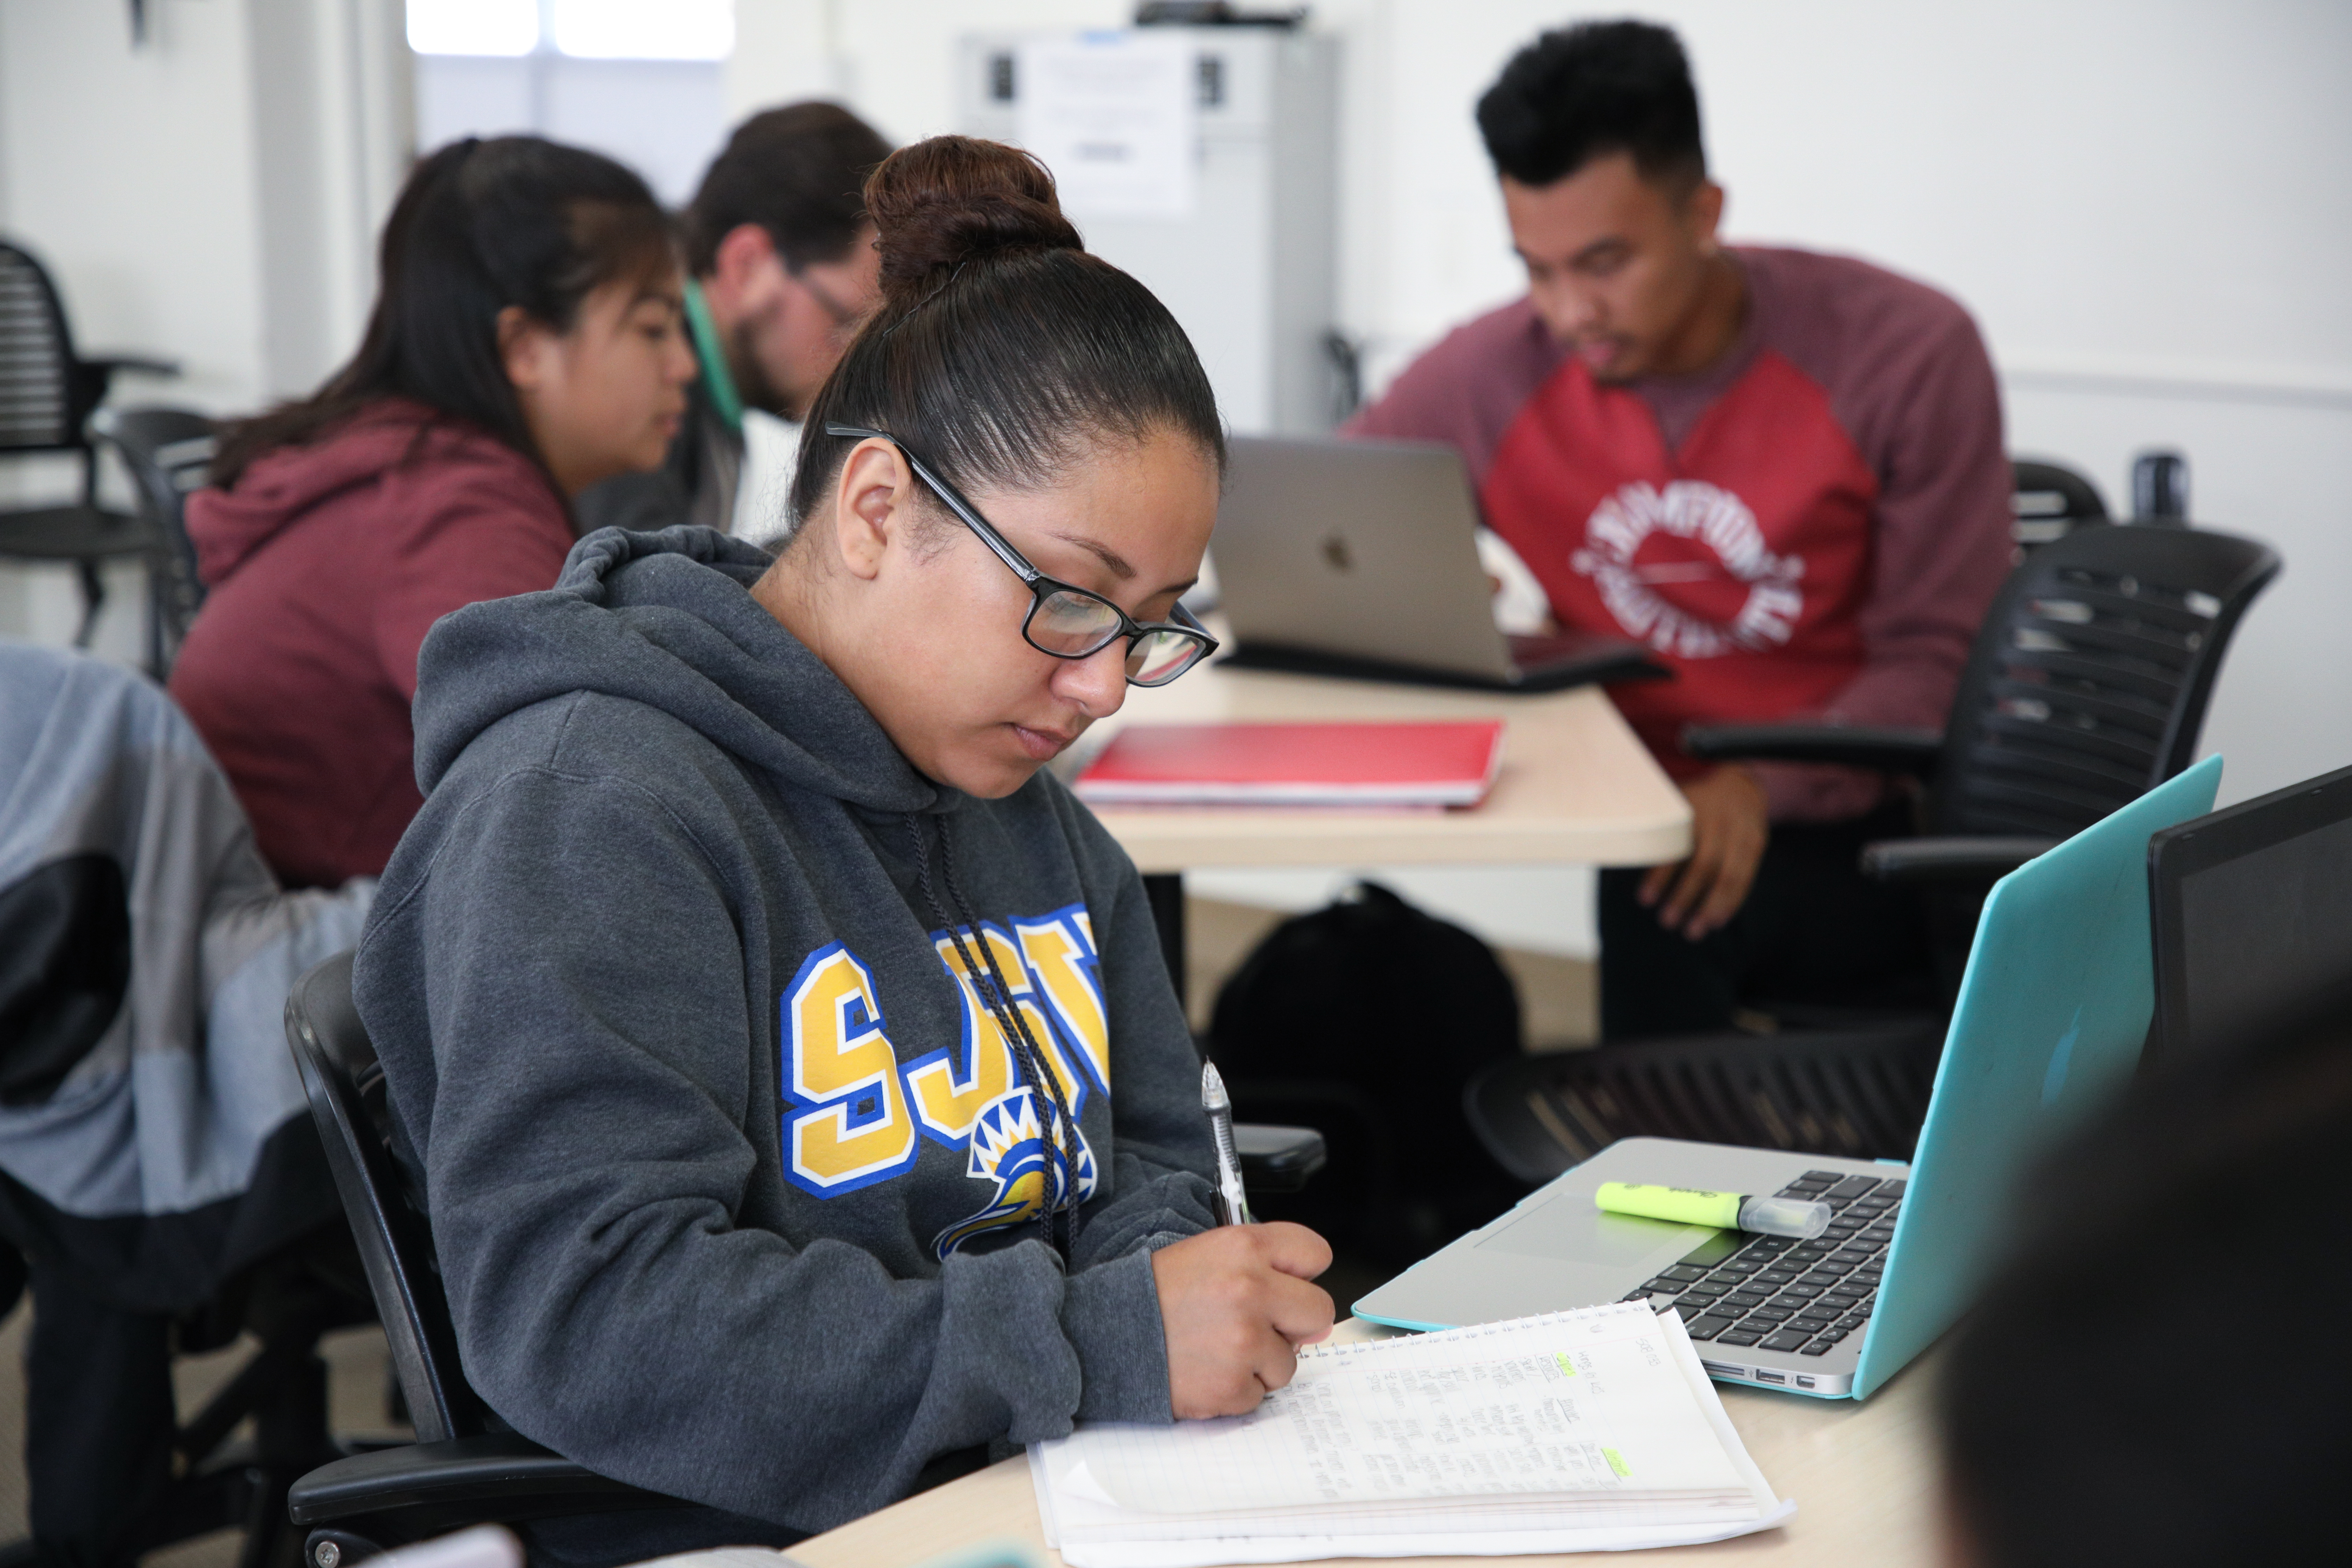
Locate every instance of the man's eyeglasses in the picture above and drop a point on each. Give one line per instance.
(1065, 620)
(846, 319)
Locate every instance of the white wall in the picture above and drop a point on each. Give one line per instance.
(210, 198)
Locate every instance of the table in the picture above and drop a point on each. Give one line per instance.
(1576, 787)
(1863, 1476)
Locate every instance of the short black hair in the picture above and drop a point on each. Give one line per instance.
(1583, 92)
(2133, 1388)
(798, 173)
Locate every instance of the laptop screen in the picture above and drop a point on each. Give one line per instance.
(2251, 914)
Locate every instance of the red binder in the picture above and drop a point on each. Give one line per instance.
(1435, 764)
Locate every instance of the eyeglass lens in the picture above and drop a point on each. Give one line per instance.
(1072, 625)
(1158, 658)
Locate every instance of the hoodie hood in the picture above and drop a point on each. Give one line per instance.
(665, 619)
(227, 528)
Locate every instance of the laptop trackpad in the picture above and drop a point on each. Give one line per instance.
(1570, 1232)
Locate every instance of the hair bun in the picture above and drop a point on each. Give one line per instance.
(940, 204)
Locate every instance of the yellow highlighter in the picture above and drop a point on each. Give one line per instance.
(1799, 1217)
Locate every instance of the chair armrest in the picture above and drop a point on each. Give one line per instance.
(1960, 859)
(137, 364)
(1884, 748)
(1277, 1159)
(461, 1480)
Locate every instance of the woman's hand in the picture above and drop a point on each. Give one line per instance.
(1236, 1303)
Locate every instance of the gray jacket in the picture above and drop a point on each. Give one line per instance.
(153, 1136)
(733, 1178)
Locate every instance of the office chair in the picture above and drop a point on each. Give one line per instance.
(2049, 501)
(463, 1468)
(47, 395)
(2087, 687)
(167, 452)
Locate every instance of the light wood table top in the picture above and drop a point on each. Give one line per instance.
(1863, 1478)
(1576, 786)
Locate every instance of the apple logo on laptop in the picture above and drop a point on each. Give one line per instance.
(2054, 1082)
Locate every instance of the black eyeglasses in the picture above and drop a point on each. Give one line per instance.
(1065, 620)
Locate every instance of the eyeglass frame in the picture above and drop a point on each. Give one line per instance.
(1039, 585)
(844, 319)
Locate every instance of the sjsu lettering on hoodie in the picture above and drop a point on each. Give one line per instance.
(856, 1112)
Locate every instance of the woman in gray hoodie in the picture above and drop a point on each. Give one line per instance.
(787, 1058)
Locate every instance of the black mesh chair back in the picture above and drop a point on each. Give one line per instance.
(346, 1085)
(2049, 501)
(167, 453)
(1859, 1094)
(465, 1467)
(2088, 684)
(44, 394)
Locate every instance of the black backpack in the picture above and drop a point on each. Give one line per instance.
(1366, 1019)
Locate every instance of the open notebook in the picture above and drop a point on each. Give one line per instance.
(1590, 1430)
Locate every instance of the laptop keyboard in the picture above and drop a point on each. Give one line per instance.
(1783, 1294)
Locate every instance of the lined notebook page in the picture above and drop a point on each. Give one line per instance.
(1590, 1402)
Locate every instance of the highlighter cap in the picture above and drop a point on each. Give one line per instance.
(1799, 1217)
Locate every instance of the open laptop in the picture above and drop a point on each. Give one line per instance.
(2251, 914)
(1360, 558)
(2052, 1012)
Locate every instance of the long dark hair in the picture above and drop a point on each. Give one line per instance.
(480, 225)
(1002, 349)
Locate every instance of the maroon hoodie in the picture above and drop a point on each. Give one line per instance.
(326, 566)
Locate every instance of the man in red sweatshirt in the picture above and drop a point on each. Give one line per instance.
(1781, 470)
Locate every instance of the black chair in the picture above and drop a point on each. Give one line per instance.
(48, 394)
(2087, 687)
(464, 1467)
(167, 452)
(2049, 501)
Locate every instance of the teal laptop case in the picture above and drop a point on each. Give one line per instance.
(2053, 1009)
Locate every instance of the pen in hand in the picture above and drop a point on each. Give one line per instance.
(1234, 1207)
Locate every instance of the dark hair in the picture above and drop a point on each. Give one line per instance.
(2139, 1385)
(479, 225)
(1000, 349)
(1583, 92)
(798, 173)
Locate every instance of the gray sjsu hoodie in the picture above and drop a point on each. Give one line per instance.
(733, 1178)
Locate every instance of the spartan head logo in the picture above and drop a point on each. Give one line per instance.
(1009, 1148)
(1689, 509)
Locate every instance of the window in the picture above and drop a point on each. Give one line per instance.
(643, 29)
(493, 27)
(635, 79)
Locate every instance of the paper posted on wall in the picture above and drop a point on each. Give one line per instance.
(1592, 1430)
(1112, 114)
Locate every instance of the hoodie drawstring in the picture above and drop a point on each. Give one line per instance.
(988, 980)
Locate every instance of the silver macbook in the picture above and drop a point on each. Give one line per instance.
(1360, 558)
(2052, 1011)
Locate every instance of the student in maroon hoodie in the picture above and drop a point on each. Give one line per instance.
(1782, 470)
(528, 342)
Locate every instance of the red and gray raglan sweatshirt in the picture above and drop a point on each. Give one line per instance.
(1810, 528)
